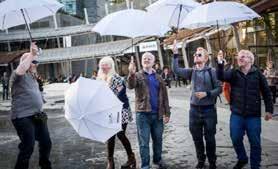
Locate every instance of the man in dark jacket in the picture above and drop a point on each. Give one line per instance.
(247, 84)
(203, 116)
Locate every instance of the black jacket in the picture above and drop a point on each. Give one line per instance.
(246, 91)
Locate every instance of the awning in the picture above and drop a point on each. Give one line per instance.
(45, 33)
(265, 6)
(86, 51)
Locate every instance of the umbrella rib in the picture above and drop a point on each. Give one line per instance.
(4, 18)
(88, 128)
(48, 8)
(90, 100)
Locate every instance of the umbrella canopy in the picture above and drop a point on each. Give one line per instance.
(169, 13)
(11, 11)
(218, 13)
(129, 23)
(93, 109)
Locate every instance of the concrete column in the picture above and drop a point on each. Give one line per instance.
(9, 45)
(85, 67)
(127, 4)
(58, 42)
(86, 16)
(116, 64)
(106, 7)
(70, 66)
(55, 22)
(131, 4)
(159, 53)
(184, 54)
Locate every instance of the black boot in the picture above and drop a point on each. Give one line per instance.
(131, 162)
(110, 163)
(212, 166)
(200, 165)
(240, 164)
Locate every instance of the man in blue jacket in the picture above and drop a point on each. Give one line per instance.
(203, 116)
(247, 85)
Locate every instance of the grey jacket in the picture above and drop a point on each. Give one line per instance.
(201, 81)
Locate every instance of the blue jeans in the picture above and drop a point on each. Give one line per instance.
(29, 130)
(149, 124)
(252, 126)
(202, 124)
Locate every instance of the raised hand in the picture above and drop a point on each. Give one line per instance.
(220, 57)
(132, 67)
(34, 49)
(175, 48)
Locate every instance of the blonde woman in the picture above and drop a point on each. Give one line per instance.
(116, 83)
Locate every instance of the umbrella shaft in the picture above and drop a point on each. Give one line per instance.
(218, 35)
(178, 24)
(28, 28)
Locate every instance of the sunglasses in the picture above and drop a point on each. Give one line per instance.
(35, 62)
(198, 55)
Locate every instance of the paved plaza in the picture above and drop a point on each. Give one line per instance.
(73, 152)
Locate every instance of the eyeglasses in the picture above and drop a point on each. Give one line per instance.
(243, 56)
(35, 62)
(198, 55)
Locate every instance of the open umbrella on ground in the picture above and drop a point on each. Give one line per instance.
(93, 109)
(18, 12)
(218, 13)
(167, 14)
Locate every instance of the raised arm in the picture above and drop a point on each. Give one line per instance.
(26, 60)
(221, 73)
(182, 72)
(131, 79)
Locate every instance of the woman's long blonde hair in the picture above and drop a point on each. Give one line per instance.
(106, 77)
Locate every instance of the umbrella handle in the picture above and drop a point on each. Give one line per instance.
(28, 28)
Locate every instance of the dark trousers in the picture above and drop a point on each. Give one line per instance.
(252, 127)
(29, 130)
(178, 82)
(273, 91)
(202, 124)
(122, 137)
(5, 92)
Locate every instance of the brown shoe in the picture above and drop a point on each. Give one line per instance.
(131, 162)
(110, 163)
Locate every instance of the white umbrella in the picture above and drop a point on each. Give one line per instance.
(218, 13)
(169, 13)
(18, 12)
(93, 109)
(128, 23)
